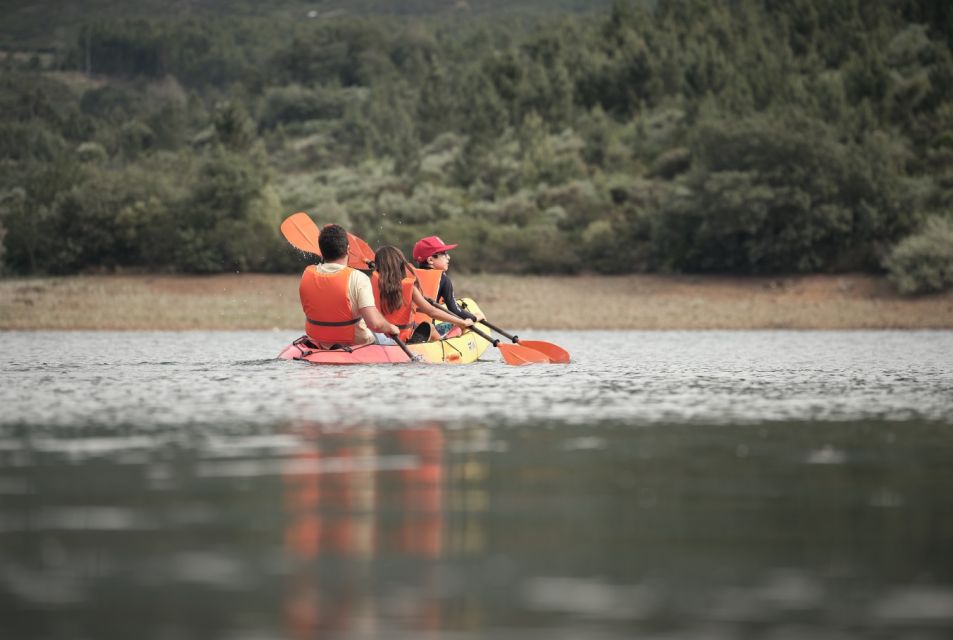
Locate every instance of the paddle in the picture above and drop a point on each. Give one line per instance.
(555, 353)
(359, 250)
(515, 354)
(403, 346)
(302, 232)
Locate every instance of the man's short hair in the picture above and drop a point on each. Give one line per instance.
(333, 242)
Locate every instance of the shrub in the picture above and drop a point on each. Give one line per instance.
(135, 137)
(579, 199)
(923, 262)
(295, 103)
(91, 152)
(21, 142)
(112, 102)
(671, 163)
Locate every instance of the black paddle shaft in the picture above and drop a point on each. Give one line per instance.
(515, 339)
(511, 337)
(403, 346)
(472, 328)
(480, 333)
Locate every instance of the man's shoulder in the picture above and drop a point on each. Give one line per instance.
(360, 277)
(361, 291)
(359, 282)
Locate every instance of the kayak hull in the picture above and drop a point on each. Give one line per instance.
(462, 348)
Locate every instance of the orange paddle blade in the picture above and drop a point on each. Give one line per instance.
(359, 253)
(301, 231)
(519, 355)
(554, 352)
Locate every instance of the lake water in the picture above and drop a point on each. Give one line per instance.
(663, 485)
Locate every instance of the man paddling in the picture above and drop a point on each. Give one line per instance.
(338, 301)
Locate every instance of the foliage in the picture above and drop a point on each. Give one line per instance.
(769, 198)
(739, 136)
(923, 262)
(229, 218)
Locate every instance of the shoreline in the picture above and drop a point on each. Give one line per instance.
(583, 302)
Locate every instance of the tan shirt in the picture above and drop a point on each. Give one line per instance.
(361, 295)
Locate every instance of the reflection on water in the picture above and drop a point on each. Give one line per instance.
(311, 530)
(342, 510)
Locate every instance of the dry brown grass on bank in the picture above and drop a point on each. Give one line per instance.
(706, 302)
(150, 302)
(580, 302)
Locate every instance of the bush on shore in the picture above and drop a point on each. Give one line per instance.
(923, 262)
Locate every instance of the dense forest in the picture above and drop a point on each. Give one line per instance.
(727, 136)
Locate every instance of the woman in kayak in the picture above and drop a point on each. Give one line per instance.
(433, 260)
(398, 296)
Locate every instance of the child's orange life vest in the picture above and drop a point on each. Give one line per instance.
(429, 280)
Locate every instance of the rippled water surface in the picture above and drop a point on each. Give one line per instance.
(663, 485)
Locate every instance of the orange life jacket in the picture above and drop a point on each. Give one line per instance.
(429, 280)
(402, 316)
(326, 300)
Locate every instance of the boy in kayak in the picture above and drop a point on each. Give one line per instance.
(337, 300)
(398, 296)
(433, 261)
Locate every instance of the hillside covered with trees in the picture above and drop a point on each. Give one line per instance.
(729, 136)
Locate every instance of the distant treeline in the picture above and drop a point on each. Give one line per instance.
(735, 136)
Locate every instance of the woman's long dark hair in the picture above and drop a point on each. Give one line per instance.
(391, 267)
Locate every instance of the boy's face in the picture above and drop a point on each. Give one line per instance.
(439, 261)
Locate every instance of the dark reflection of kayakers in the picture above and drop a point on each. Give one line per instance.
(433, 260)
(422, 491)
(330, 513)
(341, 504)
(398, 295)
(338, 301)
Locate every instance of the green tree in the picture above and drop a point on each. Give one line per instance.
(765, 196)
(229, 220)
(233, 127)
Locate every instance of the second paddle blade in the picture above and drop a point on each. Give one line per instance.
(519, 355)
(554, 352)
(359, 253)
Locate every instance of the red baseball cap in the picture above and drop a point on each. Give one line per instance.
(428, 246)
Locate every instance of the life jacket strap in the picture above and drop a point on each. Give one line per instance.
(343, 323)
